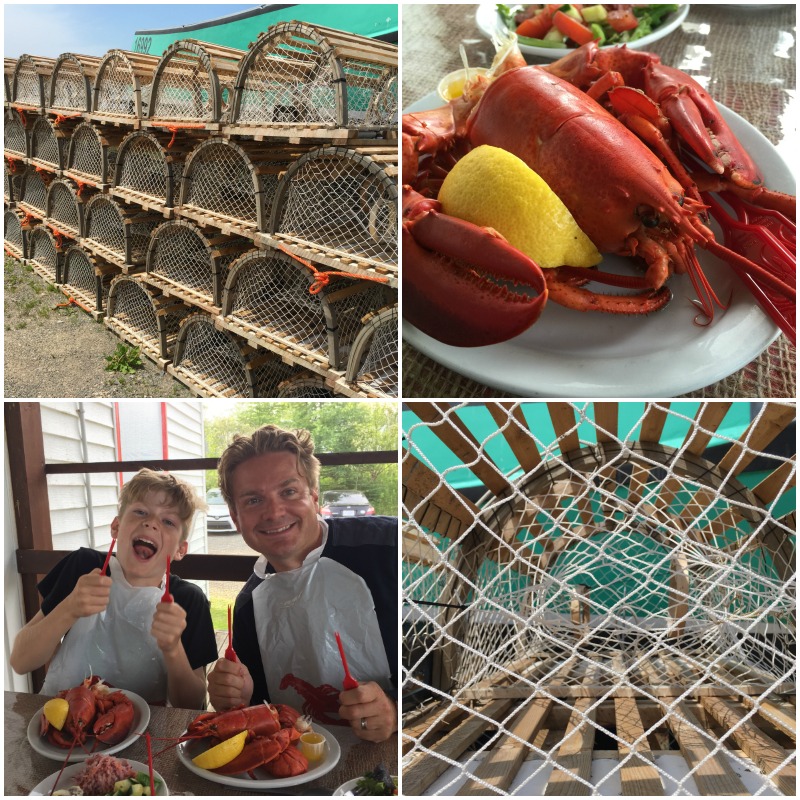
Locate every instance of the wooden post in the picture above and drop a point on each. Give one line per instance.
(29, 489)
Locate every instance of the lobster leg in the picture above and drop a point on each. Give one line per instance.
(115, 724)
(452, 280)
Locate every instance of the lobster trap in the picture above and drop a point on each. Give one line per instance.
(49, 144)
(8, 78)
(71, 84)
(231, 185)
(15, 135)
(86, 279)
(267, 299)
(31, 82)
(45, 253)
(118, 233)
(12, 180)
(372, 364)
(216, 363)
(65, 207)
(342, 203)
(305, 385)
(122, 87)
(599, 598)
(15, 237)
(185, 262)
(144, 317)
(148, 169)
(33, 191)
(92, 155)
(316, 79)
(193, 83)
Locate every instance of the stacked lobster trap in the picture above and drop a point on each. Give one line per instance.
(599, 599)
(240, 203)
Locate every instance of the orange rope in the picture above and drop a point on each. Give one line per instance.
(322, 279)
(28, 219)
(21, 114)
(12, 164)
(71, 301)
(62, 117)
(175, 128)
(59, 236)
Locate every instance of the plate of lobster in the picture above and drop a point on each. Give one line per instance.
(101, 719)
(569, 350)
(272, 757)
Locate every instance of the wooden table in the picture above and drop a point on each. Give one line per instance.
(746, 60)
(24, 767)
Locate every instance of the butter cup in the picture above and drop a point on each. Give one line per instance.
(312, 746)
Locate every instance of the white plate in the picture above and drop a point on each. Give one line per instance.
(70, 773)
(572, 354)
(489, 22)
(141, 718)
(189, 750)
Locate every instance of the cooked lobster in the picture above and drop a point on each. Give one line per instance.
(94, 708)
(629, 191)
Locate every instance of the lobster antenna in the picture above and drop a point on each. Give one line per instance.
(464, 61)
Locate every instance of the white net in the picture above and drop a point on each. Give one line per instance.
(15, 140)
(63, 207)
(33, 195)
(43, 254)
(613, 612)
(44, 145)
(142, 168)
(373, 357)
(69, 91)
(13, 234)
(28, 86)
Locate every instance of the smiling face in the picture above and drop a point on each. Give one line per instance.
(274, 509)
(148, 530)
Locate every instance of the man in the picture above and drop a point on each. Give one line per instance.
(314, 578)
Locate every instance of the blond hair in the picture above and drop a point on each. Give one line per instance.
(268, 439)
(179, 494)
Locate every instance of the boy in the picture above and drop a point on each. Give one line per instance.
(115, 626)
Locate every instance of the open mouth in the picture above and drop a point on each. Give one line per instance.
(144, 548)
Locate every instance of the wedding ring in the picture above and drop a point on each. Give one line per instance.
(363, 723)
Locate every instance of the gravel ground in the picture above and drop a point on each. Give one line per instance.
(60, 352)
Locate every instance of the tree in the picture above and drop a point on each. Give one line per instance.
(336, 427)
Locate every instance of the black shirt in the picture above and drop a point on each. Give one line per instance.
(365, 545)
(198, 638)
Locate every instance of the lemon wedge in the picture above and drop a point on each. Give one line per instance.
(495, 189)
(221, 754)
(55, 712)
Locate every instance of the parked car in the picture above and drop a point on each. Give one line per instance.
(345, 504)
(218, 518)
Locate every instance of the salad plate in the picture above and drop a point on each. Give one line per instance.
(490, 23)
(263, 780)
(69, 775)
(141, 719)
(572, 354)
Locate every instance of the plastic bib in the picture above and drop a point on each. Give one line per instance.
(115, 645)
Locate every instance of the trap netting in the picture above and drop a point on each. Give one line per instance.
(145, 317)
(122, 86)
(44, 253)
(194, 81)
(372, 363)
(33, 191)
(147, 171)
(48, 147)
(267, 294)
(596, 601)
(31, 81)
(9, 64)
(14, 236)
(214, 363)
(298, 74)
(86, 278)
(342, 201)
(118, 233)
(72, 82)
(15, 136)
(64, 207)
(92, 155)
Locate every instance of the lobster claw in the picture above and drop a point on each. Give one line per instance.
(455, 277)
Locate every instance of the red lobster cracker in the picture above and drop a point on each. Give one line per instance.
(621, 178)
